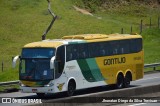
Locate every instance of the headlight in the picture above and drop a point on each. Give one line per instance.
(49, 85)
(21, 84)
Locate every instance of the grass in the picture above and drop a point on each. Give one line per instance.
(24, 21)
(149, 69)
(4, 88)
(151, 45)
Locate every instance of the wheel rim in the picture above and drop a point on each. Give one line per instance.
(71, 89)
(119, 82)
(127, 81)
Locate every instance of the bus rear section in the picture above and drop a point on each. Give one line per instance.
(124, 61)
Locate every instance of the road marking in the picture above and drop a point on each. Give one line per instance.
(148, 78)
(137, 104)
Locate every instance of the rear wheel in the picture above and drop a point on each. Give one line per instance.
(71, 88)
(120, 81)
(127, 80)
(41, 95)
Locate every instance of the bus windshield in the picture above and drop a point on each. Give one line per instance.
(38, 52)
(35, 64)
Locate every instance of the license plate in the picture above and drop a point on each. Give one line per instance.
(34, 90)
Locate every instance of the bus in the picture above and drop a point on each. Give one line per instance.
(80, 61)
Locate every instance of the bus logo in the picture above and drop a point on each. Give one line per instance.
(114, 61)
(6, 100)
(60, 86)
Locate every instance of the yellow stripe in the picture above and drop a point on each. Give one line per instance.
(28, 83)
(111, 70)
(101, 37)
(43, 44)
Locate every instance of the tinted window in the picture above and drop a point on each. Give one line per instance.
(69, 55)
(139, 45)
(60, 60)
(98, 49)
(135, 45)
(72, 52)
(102, 49)
(82, 51)
(38, 52)
(124, 47)
(93, 49)
(114, 47)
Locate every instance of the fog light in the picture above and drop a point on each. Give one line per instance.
(49, 89)
(21, 84)
(49, 85)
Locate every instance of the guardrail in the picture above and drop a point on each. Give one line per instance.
(9, 83)
(154, 65)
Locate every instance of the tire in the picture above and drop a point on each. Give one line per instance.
(71, 88)
(127, 80)
(120, 81)
(41, 95)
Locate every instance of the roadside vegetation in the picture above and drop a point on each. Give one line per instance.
(24, 21)
(9, 88)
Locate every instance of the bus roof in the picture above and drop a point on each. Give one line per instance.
(80, 39)
(101, 37)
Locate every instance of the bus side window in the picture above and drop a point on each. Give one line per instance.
(69, 53)
(75, 52)
(72, 52)
(93, 50)
(114, 46)
(60, 60)
(70, 56)
(83, 51)
(139, 44)
(91, 53)
(135, 45)
(124, 47)
(102, 49)
(107, 48)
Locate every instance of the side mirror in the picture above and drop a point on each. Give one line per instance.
(14, 61)
(52, 62)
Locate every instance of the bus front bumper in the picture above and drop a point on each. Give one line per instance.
(37, 89)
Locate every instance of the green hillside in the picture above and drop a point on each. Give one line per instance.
(24, 21)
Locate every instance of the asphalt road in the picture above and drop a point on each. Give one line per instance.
(149, 79)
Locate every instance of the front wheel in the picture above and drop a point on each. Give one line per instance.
(71, 88)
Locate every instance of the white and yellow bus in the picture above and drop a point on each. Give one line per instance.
(79, 62)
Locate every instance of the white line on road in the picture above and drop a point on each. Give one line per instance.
(148, 78)
(137, 104)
